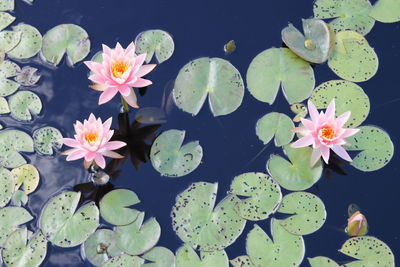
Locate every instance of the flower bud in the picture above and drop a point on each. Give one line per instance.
(357, 225)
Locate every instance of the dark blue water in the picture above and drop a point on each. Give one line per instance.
(201, 28)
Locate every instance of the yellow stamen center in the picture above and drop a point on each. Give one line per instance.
(327, 133)
(91, 137)
(119, 68)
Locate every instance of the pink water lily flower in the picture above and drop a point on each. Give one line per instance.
(120, 70)
(324, 132)
(92, 142)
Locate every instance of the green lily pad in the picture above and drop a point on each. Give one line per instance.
(28, 176)
(156, 42)
(18, 251)
(30, 44)
(369, 251)
(376, 148)
(308, 213)
(4, 108)
(242, 261)
(186, 256)
(23, 104)
(47, 138)
(280, 67)
(263, 195)
(315, 45)
(386, 11)
(322, 262)
(285, 249)
(215, 77)
(124, 260)
(6, 185)
(65, 38)
(6, 5)
(300, 110)
(352, 58)
(170, 158)
(27, 76)
(19, 198)
(5, 19)
(9, 40)
(11, 218)
(8, 69)
(11, 143)
(62, 225)
(346, 14)
(114, 207)
(348, 97)
(199, 224)
(159, 257)
(137, 238)
(296, 174)
(275, 124)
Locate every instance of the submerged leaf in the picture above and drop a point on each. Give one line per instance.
(159, 257)
(30, 44)
(156, 42)
(5, 19)
(6, 186)
(11, 218)
(386, 11)
(186, 256)
(11, 143)
(23, 104)
(28, 176)
(27, 76)
(275, 124)
(47, 138)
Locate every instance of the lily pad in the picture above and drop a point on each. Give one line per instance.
(28, 176)
(5, 19)
(124, 260)
(315, 45)
(186, 256)
(275, 124)
(300, 110)
(307, 210)
(155, 42)
(66, 38)
(280, 67)
(376, 148)
(170, 158)
(64, 227)
(263, 195)
(242, 261)
(369, 251)
(6, 185)
(4, 108)
(8, 69)
(18, 251)
(386, 11)
(11, 218)
(47, 138)
(296, 174)
(114, 207)
(137, 238)
(352, 58)
(285, 249)
(159, 257)
(9, 40)
(23, 104)
(27, 76)
(7, 5)
(346, 14)
(213, 77)
(11, 143)
(322, 262)
(19, 198)
(30, 44)
(199, 224)
(348, 97)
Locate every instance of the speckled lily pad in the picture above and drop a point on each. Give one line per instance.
(186, 256)
(7, 5)
(275, 124)
(159, 257)
(242, 261)
(4, 108)
(6, 186)
(124, 260)
(23, 104)
(47, 138)
(9, 40)
(387, 11)
(279, 67)
(155, 42)
(8, 69)
(300, 110)
(19, 198)
(322, 262)
(30, 44)
(27, 76)
(5, 19)
(11, 143)
(28, 176)
(11, 218)
(170, 158)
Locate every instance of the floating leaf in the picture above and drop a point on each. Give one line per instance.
(18, 251)
(66, 38)
(137, 238)
(62, 225)
(347, 14)
(376, 148)
(19, 198)
(12, 142)
(9, 40)
(284, 249)
(199, 224)
(215, 77)
(296, 174)
(6, 186)
(186, 256)
(352, 58)
(275, 124)
(307, 210)
(159, 257)
(4, 108)
(386, 11)
(369, 251)
(46, 138)
(242, 261)
(8, 69)
(300, 110)
(30, 44)
(113, 207)
(170, 158)
(6, 5)
(348, 97)
(5, 19)
(23, 104)
(11, 218)
(263, 195)
(28, 176)
(156, 42)
(27, 76)
(124, 260)
(280, 67)
(322, 262)
(315, 45)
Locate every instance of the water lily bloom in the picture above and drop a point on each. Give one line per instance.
(120, 71)
(92, 142)
(324, 132)
(357, 225)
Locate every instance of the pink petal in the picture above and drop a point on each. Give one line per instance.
(112, 154)
(113, 145)
(94, 66)
(349, 132)
(99, 159)
(118, 49)
(341, 152)
(98, 78)
(107, 125)
(330, 110)
(140, 59)
(106, 50)
(140, 83)
(71, 142)
(92, 118)
(98, 87)
(90, 156)
(130, 48)
(145, 69)
(313, 111)
(325, 152)
(131, 99)
(124, 90)
(303, 142)
(315, 156)
(342, 119)
(107, 95)
(310, 125)
(77, 154)
(301, 130)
